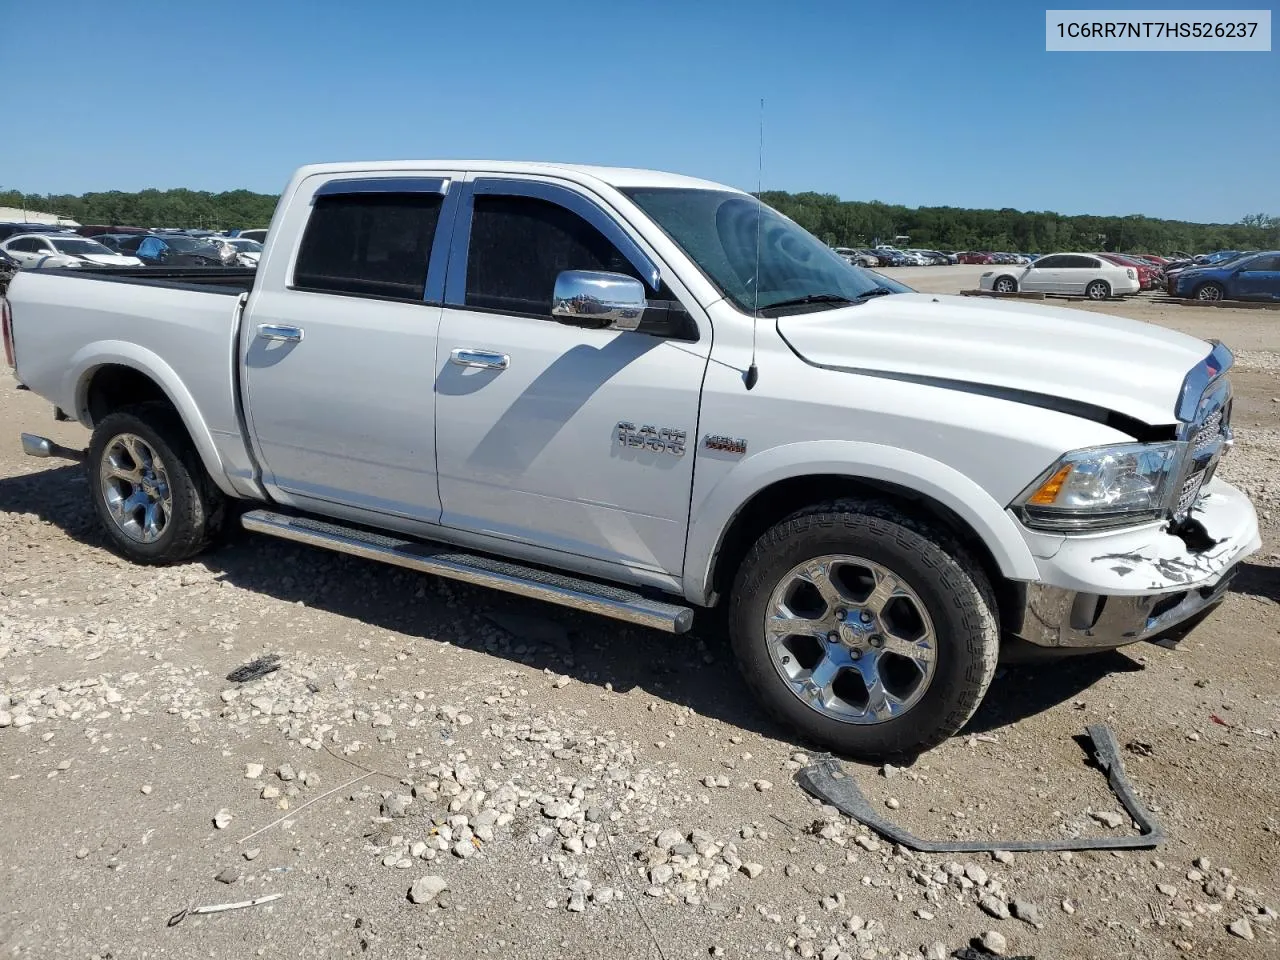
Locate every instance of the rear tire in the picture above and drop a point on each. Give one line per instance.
(156, 502)
(1098, 290)
(1210, 292)
(1005, 285)
(810, 669)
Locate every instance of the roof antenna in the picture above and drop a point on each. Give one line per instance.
(753, 372)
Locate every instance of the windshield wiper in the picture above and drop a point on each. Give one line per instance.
(807, 299)
(875, 292)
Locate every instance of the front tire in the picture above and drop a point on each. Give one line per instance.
(1210, 292)
(1098, 290)
(152, 495)
(866, 630)
(1005, 285)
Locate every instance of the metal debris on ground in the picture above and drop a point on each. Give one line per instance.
(181, 915)
(973, 953)
(255, 669)
(826, 780)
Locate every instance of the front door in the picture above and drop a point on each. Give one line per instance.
(1042, 276)
(580, 440)
(1259, 279)
(339, 359)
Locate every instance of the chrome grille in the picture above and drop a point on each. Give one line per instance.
(1190, 493)
(1207, 437)
(1208, 433)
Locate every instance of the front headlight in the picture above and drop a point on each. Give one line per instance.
(1103, 487)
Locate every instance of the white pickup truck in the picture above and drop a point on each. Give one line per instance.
(639, 394)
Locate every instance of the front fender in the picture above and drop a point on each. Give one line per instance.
(857, 460)
(85, 361)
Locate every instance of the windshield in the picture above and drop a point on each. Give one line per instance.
(77, 246)
(718, 230)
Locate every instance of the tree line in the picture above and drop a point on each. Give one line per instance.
(847, 223)
(855, 223)
(241, 209)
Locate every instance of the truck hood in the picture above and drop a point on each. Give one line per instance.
(1034, 353)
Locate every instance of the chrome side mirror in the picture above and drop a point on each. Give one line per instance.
(596, 298)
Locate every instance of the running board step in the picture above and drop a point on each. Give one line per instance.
(443, 561)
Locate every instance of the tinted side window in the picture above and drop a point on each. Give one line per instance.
(1047, 263)
(371, 244)
(1263, 263)
(1082, 262)
(25, 245)
(520, 244)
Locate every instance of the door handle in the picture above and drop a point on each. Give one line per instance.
(487, 359)
(277, 331)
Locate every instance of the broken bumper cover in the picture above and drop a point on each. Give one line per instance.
(1107, 590)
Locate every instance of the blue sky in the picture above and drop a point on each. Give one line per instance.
(916, 103)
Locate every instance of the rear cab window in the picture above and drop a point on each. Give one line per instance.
(368, 244)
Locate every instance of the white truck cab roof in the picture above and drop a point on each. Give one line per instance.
(613, 176)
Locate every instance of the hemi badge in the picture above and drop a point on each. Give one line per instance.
(727, 444)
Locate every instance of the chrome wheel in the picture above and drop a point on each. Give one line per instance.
(135, 488)
(1098, 290)
(851, 639)
(1004, 285)
(1209, 292)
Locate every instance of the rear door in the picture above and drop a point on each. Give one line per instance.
(1076, 273)
(1259, 279)
(339, 347)
(573, 439)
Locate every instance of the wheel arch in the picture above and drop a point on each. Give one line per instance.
(745, 504)
(107, 376)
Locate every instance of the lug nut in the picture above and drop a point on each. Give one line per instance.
(841, 614)
(877, 641)
(865, 616)
(833, 637)
(855, 654)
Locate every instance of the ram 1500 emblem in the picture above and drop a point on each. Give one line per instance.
(656, 439)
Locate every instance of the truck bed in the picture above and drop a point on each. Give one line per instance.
(231, 281)
(178, 327)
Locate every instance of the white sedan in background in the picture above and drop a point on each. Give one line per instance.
(64, 250)
(247, 251)
(1071, 274)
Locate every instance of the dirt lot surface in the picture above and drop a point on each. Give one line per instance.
(528, 759)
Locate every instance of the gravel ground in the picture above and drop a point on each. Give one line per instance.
(438, 770)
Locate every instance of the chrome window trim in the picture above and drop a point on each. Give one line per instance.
(455, 293)
(382, 185)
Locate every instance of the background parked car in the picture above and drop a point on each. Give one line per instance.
(859, 258)
(259, 235)
(974, 256)
(172, 250)
(246, 252)
(63, 250)
(8, 230)
(96, 230)
(1255, 276)
(1076, 274)
(1148, 276)
(8, 267)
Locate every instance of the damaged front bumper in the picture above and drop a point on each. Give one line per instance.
(1107, 590)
